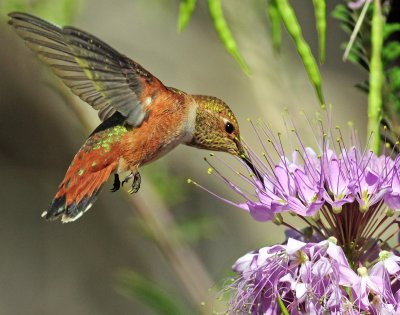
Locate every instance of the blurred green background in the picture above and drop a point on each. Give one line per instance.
(50, 268)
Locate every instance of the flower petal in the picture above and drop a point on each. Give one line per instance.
(260, 212)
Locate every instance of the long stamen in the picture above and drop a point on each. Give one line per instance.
(227, 165)
(211, 193)
(230, 184)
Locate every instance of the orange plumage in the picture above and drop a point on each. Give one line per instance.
(141, 118)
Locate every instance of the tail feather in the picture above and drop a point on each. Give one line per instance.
(86, 194)
(82, 183)
(74, 202)
(75, 210)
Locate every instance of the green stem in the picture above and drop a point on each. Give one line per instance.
(282, 306)
(375, 78)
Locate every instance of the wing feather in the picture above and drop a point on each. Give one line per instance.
(94, 71)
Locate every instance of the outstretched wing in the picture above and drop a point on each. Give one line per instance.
(97, 73)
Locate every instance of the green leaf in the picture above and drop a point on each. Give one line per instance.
(390, 52)
(358, 45)
(132, 284)
(395, 103)
(342, 14)
(394, 78)
(389, 29)
(186, 9)
(346, 28)
(292, 25)
(354, 58)
(224, 33)
(358, 56)
(275, 19)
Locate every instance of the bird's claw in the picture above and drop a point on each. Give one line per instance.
(126, 179)
(136, 183)
(117, 183)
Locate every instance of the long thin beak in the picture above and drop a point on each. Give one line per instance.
(248, 162)
(245, 157)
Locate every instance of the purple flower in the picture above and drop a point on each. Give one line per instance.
(392, 199)
(312, 278)
(390, 262)
(307, 278)
(339, 190)
(341, 262)
(373, 290)
(337, 183)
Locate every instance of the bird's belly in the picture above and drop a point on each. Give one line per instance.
(158, 135)
(164, 148)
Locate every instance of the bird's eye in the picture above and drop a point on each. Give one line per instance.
(229, 127)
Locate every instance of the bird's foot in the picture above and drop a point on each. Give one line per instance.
(126, 179)
(136, 183)
(117, 183)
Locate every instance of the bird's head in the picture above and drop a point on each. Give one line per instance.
(216, 127)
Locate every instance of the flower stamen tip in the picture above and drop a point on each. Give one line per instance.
(389, 212)
(333, 240)
(278, 219)
(383, 255)
(337, 210)
(362, 271)
(364, 208)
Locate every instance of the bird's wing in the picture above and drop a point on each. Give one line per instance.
(97, 73)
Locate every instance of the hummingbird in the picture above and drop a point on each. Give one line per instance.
(141, 118)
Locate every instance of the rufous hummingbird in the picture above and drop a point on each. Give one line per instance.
(142, 119)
